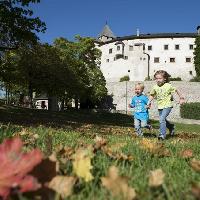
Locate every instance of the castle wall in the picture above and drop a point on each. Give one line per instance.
(122, 93)
(135, 62)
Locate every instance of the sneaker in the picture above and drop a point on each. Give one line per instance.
(172, 130)
(161, 137)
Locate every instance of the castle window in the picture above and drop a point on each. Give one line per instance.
(110, 51)
(130, 48)
(156, 59)
(177, 47)
(107, 60)
(118, 48)
(118, 56)
(187, 59)
(172, 60)
(190, 72)
(150, 48)
(166, 47)
(126, 57)
(191, 46)
(129, 70)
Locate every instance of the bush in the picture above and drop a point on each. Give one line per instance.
(175, 79)
(124, 78)
(190, 110)
(195, 79)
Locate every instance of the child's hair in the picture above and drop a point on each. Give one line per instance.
(164, 74)
(141, 85)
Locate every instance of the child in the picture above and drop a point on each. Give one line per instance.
(141, 115)
(163, 92)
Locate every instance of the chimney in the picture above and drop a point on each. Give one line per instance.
(198, 30)
(138, 32)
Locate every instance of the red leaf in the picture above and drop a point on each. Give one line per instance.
(14, 166)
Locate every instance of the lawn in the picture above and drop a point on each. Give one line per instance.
(113, 142)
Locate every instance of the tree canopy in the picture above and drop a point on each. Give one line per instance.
(65, 70)
(17, 24)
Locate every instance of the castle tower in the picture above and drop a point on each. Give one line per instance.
(106, 34)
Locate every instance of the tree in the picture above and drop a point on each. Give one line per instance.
(17, 26)
(82, 58)
(197, 56)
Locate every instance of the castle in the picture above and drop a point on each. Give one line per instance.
(140, 56)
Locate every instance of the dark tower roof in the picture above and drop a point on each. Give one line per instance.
(107, 32)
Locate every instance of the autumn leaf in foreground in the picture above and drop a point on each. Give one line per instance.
(154, 147)
(118, 185)
(195, 164)
(62, 185)
(99, 142)
(196, 190)
(156, 178)
(14, 166)
(187, 153)
(82, 164)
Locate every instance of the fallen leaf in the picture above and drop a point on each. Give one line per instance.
(188, 153)
(82, 164)
(196, 190)
(154, 147)
(118, 185)
(14, 166)
(195, 164)
(156, 178)
(63, 185)
(116, 155)
(99, 142)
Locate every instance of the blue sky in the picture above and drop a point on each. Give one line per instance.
(66, 18)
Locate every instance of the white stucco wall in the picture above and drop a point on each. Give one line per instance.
(137, 63)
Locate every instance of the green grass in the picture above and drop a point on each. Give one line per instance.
(74, 127)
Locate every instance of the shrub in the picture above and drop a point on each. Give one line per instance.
(124, 78)
(190, 110)
(195, 79)
(175, 79)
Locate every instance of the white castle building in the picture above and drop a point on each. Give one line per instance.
(140, 56)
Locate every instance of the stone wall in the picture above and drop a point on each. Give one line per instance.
(123, 91)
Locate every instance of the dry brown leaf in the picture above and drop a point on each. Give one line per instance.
(154, 147)
(118, 185)
(99, 142)
(187, 153)
(156, 178)
(62, 185)
(176, 141)
(116, 155)
(195, 164)
(196, 190)
(53, 158)
(117, 146)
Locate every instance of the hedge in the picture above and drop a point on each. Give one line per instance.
(190, 110)
(124, 78)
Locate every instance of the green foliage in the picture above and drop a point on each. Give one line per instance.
(65, 70)
(197, 56)
(190, 110)
(17, 24)
(124, 78)
(83, 59)
(175, 79)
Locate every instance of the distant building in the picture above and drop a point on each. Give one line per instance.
(140, 56)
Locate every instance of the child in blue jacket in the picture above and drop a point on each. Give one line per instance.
(141, 115)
